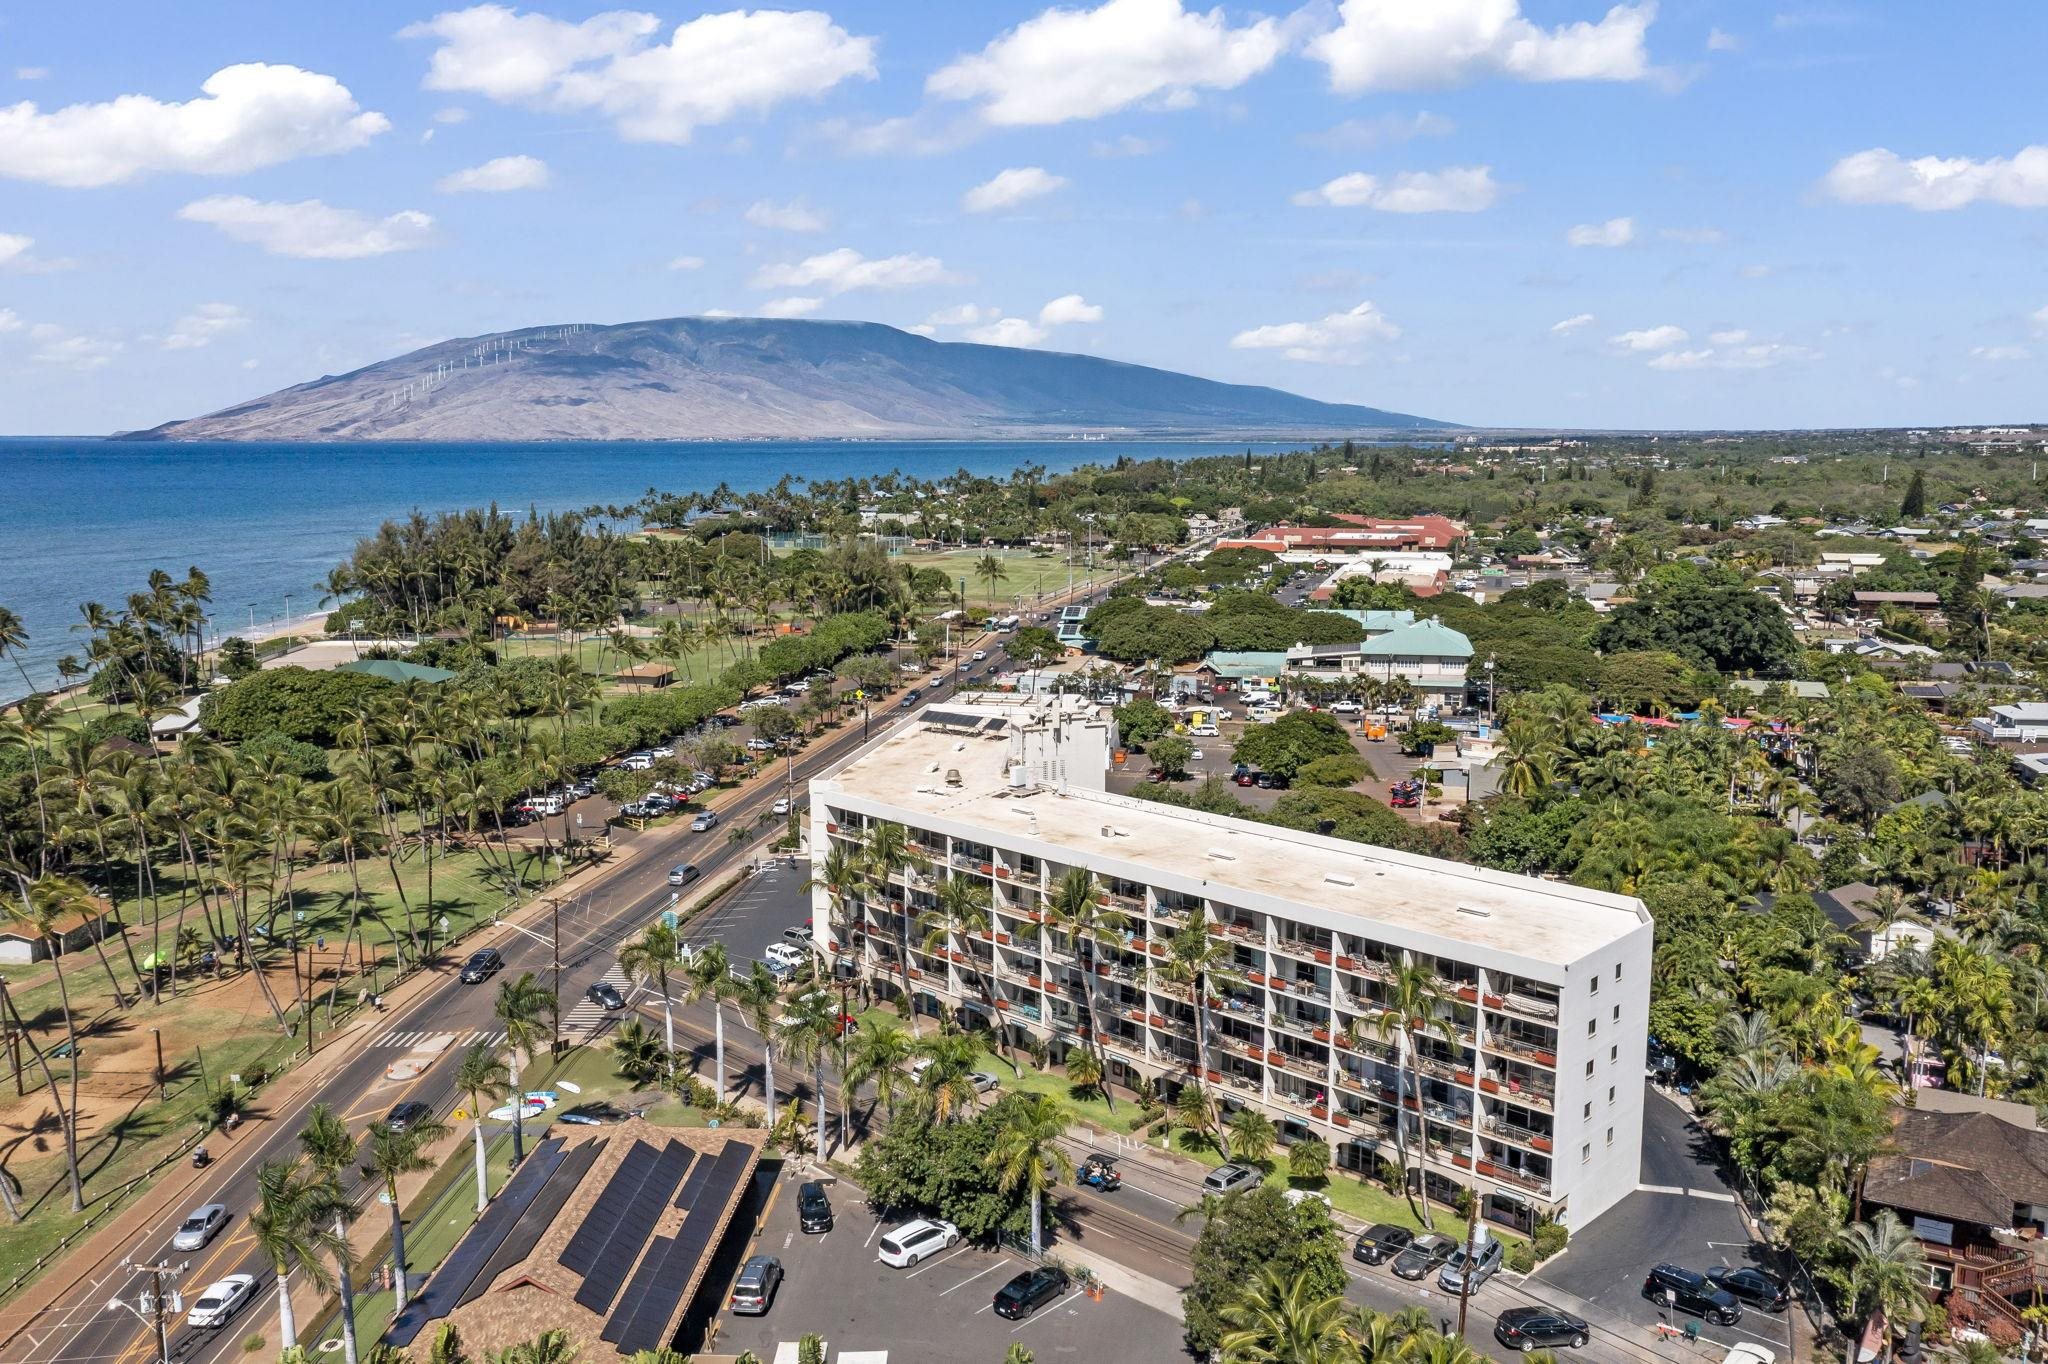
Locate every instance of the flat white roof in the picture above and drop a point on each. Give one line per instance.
(1519, 916)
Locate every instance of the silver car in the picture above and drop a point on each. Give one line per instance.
(201, 1225)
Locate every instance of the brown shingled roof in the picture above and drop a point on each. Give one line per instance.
(1965, 1167)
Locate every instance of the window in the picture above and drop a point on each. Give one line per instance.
(1589, 1110)
(1617, 970)
(1610, 1136)
(1617, 1013)
(1610, 1093)
(1595, 983)
(1589, 1070)
(1592, 1026)
(1614, 1053)
(1585, 1153)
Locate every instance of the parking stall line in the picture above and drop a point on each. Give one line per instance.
(1041, 1316)
(936, 1263)
(873, 1232)
(1000, 1264)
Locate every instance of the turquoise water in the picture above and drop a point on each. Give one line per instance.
(266, 522)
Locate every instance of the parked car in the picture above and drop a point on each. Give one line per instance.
(221, 1300)
(754, 1290)
(1381, 1242)
(1539, 1328)
(813, 1208)
(1423, 1254)
(783, 954)
(1246, 778)
(781, 806)
(1746, 1283)
(201, 1225)
(760, 745)
(1481, 1265)
(661, 751)
(1029, 1291)
(682, 873)
(407, 1114)
(705, 819)
(637, 762)
(1230, 1178)
(1692, 1293)
(916, 1240)
(483, 963)
(606, 996)
(982, 1081)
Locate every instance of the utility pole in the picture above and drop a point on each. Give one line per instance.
(555, 936)
(154, 1304)
(1465, 1279)
(158, 1037)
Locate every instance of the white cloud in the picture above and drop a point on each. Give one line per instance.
(913, 135)
(924, 329)
(687, 263)
(30, 73)
(1404, 45)
(9, 320)
(452, 114)
(1751, 356)
(791, 307)
(310, 229)
(248, 117)
(1652, 338)
(1008, 331)
(1719, 41)
(1331, 339)
(2000, 354)
(1454, 189)
(711, 69)
(1935, 183)
(204, 325)
(1694, 236)
(1127, 145)
(14, 248)
(2039, 316)
(1069, 308)
(497, 176)
(1011, 187)
(56, 346)
(838, 272)
(961, 315)
(794, 216)
(1572, 324)
(1728, 338)
(1364, 134)
(1613, 232)
(1757, 272)
(1083, 63)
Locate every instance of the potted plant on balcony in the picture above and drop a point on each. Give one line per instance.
(1540, 1143)
(1322, 955)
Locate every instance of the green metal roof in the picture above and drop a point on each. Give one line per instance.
(391, 670)
(1379, 622)
(1240, 664)
(1424, 639)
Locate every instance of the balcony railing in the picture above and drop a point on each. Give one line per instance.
(1530, 1006)
(1503, 1130)
(1524, 1051)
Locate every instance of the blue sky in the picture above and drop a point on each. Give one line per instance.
(1544, 212)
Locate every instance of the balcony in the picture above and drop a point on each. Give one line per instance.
(1303, 949)
(1522, 1051)
(1502, 1130)
(1529, 1005)
(1520, 1179)
(1517, 1090)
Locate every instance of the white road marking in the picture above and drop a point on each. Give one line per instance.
(873, 1232)
(1039, 1316)
(1000, 1264)
(934, 1264)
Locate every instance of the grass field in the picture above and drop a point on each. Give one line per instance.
(1028, 577)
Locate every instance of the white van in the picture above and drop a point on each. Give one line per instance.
(1259, 696)
(1203, 732)
(1263, 714)
(914, 1241)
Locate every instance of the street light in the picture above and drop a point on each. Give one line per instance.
(1489, 693)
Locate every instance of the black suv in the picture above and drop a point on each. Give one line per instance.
(1531, 1328)
(1423, 1254)
(406, 1115)
(1750, 1285)
(1028, 1292)
(481, 966)
(1381, 1242)
(813, 1209)
(1692, 1293)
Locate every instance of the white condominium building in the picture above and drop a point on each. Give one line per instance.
(1526, 1085)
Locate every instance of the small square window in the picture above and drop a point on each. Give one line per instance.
(1595, 983)
(1589, 1070)
(1589, 1110)
(1610, 1093)
(1617, 1013)
(1585, 1153)
(1592, 1026)
(1610, 1136)
(1614, 1053)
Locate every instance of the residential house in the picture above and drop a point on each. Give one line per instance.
(1428, 654)
(1925, 603)
(2019, 722)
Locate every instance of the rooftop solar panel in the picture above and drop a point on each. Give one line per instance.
(462, 1268)
(952, 717)
(646, 1313)
(635, 1224)
(581, 1252)
(540, 1214)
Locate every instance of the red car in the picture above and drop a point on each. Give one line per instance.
(1247, 778)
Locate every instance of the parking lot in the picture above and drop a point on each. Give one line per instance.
(937, 1312)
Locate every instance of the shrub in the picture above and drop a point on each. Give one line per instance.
(298, 758)
(295, 702)
(121, 725)
(1548, 1239)
(1338, 769)
(1521, 1259)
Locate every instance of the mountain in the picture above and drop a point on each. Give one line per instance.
(704, 378)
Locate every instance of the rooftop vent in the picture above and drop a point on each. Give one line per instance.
(1475, 911)
(1222, 854)
(1338, 878)
(952, 776)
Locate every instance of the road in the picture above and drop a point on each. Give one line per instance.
(79, 1328)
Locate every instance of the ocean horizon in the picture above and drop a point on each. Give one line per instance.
(267, 521)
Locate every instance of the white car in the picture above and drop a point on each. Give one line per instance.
(782, 806)
(916, 1240)
(1203, 732)
(1196, 756)
(201, 1225)
(978, 655)
(637, 762)
(982, 1081)
(1746, 1353)
(662, 751)
(1346, 708)
(221, 1301)
(798, 687)
(783, 954)
(760, 745)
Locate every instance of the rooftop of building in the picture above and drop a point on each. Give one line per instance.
(912, 769)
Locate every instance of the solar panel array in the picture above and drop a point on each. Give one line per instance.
(634, 1225)
(650, 1304)
(581, 1252)
(541, 1212)
(491, 1230)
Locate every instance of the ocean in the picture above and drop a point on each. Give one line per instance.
(266, 522)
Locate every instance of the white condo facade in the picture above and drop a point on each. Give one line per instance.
(1529, 1085)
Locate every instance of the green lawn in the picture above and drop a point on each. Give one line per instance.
(1027, 575)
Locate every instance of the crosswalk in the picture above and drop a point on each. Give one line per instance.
(407, 1038)
(586, 1018)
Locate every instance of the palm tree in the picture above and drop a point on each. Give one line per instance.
(1076, 908)
(482, 1079)
(1194, 957)
(520, 1006)
(1252, 1134)
(638, 1053)
(45, 903)
(989, 569)
(1411, 1002)
(887, 853)
(293, 1204)
(710, 975)
(879, 1053)
(1283, 1321)
(949, 1058)
(810, 1031)
(393, 1155)
(759, 997)
(329, 1146)
(1026, 1152)
(653, 955)
(1887, 1269)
